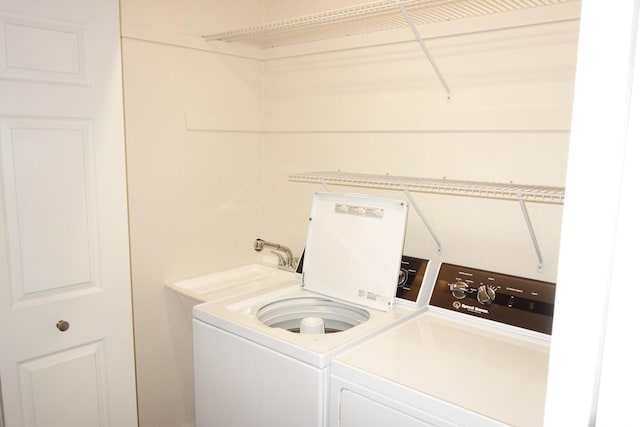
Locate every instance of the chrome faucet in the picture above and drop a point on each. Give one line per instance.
(286, 261)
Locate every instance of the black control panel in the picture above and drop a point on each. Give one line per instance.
(410, 277)
(517, 301)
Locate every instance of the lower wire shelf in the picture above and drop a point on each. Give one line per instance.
(488, 190)
(491, 190)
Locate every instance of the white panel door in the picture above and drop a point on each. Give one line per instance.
(66, 340)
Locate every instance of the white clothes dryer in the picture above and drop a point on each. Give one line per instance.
(477, 357)
(263, 359)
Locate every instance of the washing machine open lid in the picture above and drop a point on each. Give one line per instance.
(354, 248)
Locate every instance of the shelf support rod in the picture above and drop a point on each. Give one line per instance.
(425, 49)
(532, 232)
(326, 187)
(413, 203)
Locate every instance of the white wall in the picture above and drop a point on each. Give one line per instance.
(381, 110)
(193, 195)
(193, 17)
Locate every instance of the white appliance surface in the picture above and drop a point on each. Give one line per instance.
(251, 365)
(354, 247)
(238, 315)
(248, 373)
(436, 370)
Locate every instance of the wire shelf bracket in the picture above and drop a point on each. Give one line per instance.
(532, 233)
(423, 219)
(425, 49)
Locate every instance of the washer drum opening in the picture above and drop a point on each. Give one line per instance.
(288, 314)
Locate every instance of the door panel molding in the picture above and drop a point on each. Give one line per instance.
(52, 226)
(80, 373)
(43, 50)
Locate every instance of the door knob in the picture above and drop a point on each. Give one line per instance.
(62, 325)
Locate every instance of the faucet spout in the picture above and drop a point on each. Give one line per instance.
(287, 261)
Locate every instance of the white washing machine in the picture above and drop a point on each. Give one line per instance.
(263, 359)
(477, 357)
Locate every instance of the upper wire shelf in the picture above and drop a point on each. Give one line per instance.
(371, 17)
(516, 192)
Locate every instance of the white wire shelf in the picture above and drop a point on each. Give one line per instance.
(490, 190)
(371, 17)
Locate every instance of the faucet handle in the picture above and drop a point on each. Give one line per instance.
(258, 245)
(281, 261)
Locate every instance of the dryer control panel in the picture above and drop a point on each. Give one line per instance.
(410, 277)
(516, 301)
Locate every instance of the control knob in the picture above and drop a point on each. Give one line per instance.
(459, 290)
(486, 294)
(403, 277)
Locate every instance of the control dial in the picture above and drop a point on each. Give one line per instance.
(459, 290)
(403, 277)
(486, 294)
